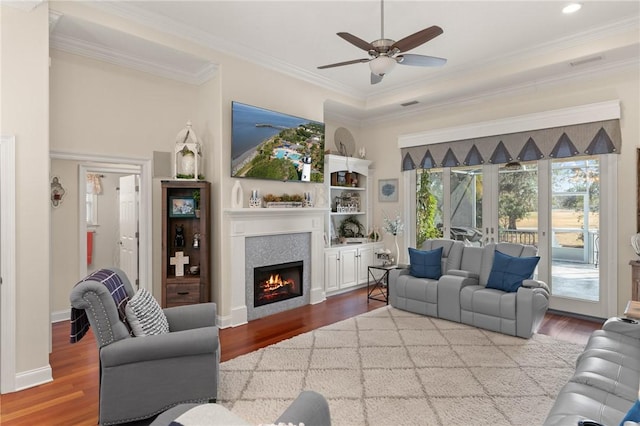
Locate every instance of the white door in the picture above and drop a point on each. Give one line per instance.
(348, 267)
(331, 268)
(129, 227)
(365, 259)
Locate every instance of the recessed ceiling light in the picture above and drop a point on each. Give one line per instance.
(571, 8)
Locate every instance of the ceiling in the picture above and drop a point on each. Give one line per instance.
(491, 46)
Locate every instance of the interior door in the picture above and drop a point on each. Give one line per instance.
(129, 227)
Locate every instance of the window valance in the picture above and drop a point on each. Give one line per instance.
(599, 137)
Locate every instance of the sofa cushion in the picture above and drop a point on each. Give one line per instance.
(508, 272)
(145, 315)
(426, 264)
(633, 415)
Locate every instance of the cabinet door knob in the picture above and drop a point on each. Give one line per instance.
(183, 293)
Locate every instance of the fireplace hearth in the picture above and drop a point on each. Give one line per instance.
(274, 283)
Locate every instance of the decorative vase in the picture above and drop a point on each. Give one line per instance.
(236, 195)
(635, 243)
(395, 237)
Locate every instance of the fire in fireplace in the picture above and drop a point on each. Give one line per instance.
(275, 283)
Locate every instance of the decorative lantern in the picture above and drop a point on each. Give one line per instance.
(188, 164)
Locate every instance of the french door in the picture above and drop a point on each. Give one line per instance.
(555, 205)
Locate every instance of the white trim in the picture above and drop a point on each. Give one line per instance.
(146, 239)
(609, 222)
(607, 110)
(60, 316)
(8, 264)
(31, 378)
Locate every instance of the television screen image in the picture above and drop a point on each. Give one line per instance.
(271, 145)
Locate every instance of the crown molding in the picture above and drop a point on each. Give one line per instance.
(476, 97)
(525, 55)
(599, 111)
(167, 26)
(112, 56)
(25, 5)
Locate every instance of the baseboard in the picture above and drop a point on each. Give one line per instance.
(60, 316)
(31, 378)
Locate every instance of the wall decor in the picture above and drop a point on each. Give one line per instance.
(388, 190)
(273, 145)
(57, 192)
(182, 207)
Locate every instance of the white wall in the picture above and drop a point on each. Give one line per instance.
(623, 84)
(25, 114)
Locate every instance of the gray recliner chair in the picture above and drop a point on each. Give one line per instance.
(143, 376)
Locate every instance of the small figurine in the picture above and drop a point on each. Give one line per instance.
(179, 239)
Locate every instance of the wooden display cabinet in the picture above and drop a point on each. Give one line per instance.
(179, 213)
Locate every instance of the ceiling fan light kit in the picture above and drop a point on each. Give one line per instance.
(382, 65)
(384, 53)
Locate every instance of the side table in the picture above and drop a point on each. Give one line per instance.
(378, 282)
(632, 310)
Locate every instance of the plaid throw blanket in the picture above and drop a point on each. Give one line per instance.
(112, 281)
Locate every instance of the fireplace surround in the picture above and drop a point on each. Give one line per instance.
(241, 225)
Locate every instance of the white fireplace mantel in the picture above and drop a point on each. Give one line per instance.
(247, 222)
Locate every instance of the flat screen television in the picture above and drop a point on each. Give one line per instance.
(271, 145)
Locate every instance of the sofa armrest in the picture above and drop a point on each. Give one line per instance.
(463, 274)
(536, 284)
(531, 306)
(449, 287)
(191, 316)
(162, 346)
(309, 408)
(628, 327)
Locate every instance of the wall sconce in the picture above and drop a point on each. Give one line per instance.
(57, 192)
(188, 164)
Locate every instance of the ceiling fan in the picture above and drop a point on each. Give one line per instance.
(385, 53)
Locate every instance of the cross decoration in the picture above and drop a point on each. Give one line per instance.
(179, 260)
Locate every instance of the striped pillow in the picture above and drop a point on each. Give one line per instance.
(145, 315)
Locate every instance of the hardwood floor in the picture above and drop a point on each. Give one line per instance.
(72, 398)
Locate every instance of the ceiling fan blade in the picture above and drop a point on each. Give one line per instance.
(416, 39)
(339, 64)
(375, 78)
(420, 60)
(358, 42)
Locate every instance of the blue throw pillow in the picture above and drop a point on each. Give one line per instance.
(508, 272)
(426, 264)
(633, 414)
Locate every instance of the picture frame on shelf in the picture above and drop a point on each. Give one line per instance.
(182, 207)
(388, 190)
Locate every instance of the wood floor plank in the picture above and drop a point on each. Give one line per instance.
(72, 398)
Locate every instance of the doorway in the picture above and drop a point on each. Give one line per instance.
(74, 169)
(556, 205)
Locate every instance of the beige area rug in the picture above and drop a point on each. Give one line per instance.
(390, 367)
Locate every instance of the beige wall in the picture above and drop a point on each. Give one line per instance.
(65, 255)
(25, 114)
(621, 84)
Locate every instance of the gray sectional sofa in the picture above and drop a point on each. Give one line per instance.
(460, 294)
(604, 386)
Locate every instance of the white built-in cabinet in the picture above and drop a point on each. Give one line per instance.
(345, 264)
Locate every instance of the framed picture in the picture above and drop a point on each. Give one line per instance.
(182, 207)
(388, 190)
